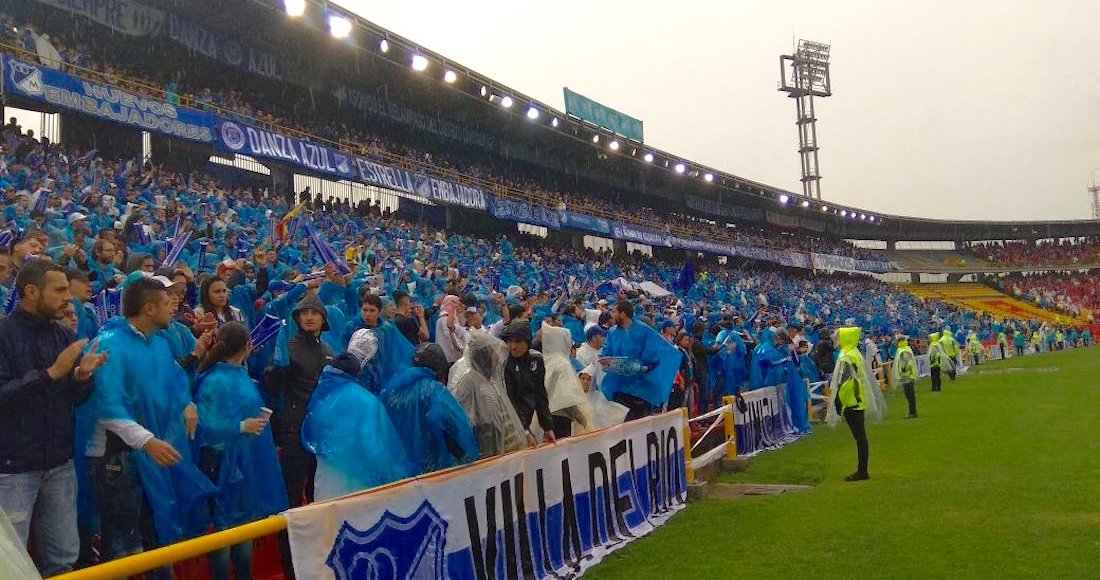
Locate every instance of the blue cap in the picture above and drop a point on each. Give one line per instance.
(667, 324)
(593, 331)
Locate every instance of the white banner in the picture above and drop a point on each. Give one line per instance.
(550, 512)
(762, 421)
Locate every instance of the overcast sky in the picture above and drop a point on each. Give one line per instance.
(972, 109)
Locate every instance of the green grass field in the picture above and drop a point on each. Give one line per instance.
(999, 478)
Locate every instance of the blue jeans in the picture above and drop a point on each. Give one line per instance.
(125, 519)
(48, 500)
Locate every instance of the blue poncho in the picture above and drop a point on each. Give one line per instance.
(767, 363)
(141, 382)
(250, 482)
(642, 343)
(426, 416)
(733, 363)
(797, 396)
(352, 455)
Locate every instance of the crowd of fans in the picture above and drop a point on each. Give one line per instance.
(1062, 252)
(1074, 293)
(546, 187)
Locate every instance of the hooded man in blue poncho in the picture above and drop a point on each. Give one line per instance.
(348, 429)
(136, 430)
(732, 355)
(431, 423)
(647, 387)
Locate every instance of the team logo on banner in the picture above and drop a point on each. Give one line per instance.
(343, 164)
(27, 78)
(232, 135)
(393, 548)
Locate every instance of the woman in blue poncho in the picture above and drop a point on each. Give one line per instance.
(432, 424)
(797, 395)
(236, 450)
(348, 429)
(732, 355)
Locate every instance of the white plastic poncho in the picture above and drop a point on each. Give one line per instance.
(604, 413)
(477, 382)
(563, 388)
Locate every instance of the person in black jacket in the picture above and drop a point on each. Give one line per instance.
(293, 386)
(43, 375)
(525, 378)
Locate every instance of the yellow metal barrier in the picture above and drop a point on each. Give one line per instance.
(727, 422)
(687, 446)
(168, 555)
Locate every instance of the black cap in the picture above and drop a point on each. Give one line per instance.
(430, 356)
(516, 331)
(77, 274)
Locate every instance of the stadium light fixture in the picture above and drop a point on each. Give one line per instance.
(862, 216)
(555, 122)
(294, 8)
(484, 91)
(784, 198)
(595, 138)
(708, 177)
(532, 113)
(614, 145)
(648, 157)
(384, 46)
(450, 76)
(419, 62)
(843, 213)
(506, 102)
(339, 26)
(872, 218)
(824, 208)
(805, 203)
(680, 168)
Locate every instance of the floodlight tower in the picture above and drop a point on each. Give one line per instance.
(803, 76)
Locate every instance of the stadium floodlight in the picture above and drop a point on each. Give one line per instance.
(595, 138)
(784, 198)
(450, 76)
(648, 157)
(872, 218)
(862, 216)
(419, 62)
(555, 122)
(708, 177)
(614, 145)
(294, 8)
(532, 113)
(506, 102)
(680, 168)
(339, 26)
(384, 46)
(805, 203)
(484, 91)
(824, 208)
(843, 213)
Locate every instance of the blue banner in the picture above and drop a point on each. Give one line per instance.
(227, 49)
(46, 85)
(450, 193)
(580, 221)
(238, 137)
(519, 211)
(629, 233)
(606, 117)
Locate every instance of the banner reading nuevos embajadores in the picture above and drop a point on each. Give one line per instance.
(551, 512)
